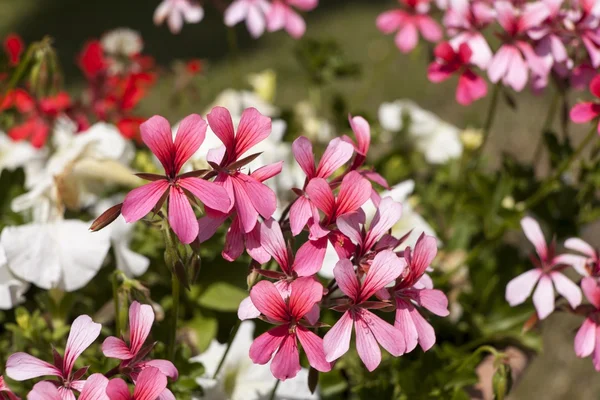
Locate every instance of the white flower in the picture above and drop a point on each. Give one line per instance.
(60, 254)
(15, 155)
(122, 42)
(11, 288)
(176, 11)
(236, 101)
(240, 379)
(436, 139)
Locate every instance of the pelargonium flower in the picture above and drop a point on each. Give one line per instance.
(584, 22)
(282, 16)
(448, 61)
(370, 329)
(150, 385)
(93, 389)
(546, 275)
(22, 366)
(132, 355)
(587, 340)
(5, 391)
(409, 22)
(175, 12)
(465, 21)
(587, 264)
(156, 134)
(253, 11)
(283, 339)
(410, 292)
(587, 111)
(515, 58)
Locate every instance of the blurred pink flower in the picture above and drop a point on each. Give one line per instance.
(370, 329)
(5, 390)
(176, 12)
(282, 16)
(587, 340)
(150, 385)
(156, 134)
(587, 111)
(545, 275)
(516, 57)
(587, 264)
(94, 389)
(471, 86)
(253, 11)
(283, 339)
(22, 366)
(408, 23)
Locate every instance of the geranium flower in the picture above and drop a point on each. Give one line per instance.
(288, 315)
(22, 366)
(515, 58)
(93, 389)
(156, 134)
(239, 378)
(176, 12)
(6, 392)
(545, 274)
(371, 330)
(253, 11)
(410, 292)
(409, 22)
(133, 354)
(587, 263)
(150, 385)
(587, 340)
(448, 61)
(282, 16)
(587, 111)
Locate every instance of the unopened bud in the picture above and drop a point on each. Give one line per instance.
(471, 138)
(502, 381)
(106, 218)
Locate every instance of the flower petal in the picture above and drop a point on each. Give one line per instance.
(189, 138)
(388, 213)
(211, 194)
(306, 292)
(386, 267)
(520, 288)
(321, 195)
(355, 190)
(532, 230)
(585, 340)
(264, 346)
(286, 363)
(584, 112)
(346, 279)
(566, 288)
(591, 289)
(181, 216)
(150, 384)
(366, 345)
(543, 297)
(141, 318)
(313, 347)
(140, 201)
(337, 153)
(309, 258)
(113, 347)
(83, 333)
(303, 153)
(336, 341)
(268, 300)
(253, 129)
(44, 390)
(404, 323)
(221, 124)
(156, 134)
(22, 366)
(95, 388)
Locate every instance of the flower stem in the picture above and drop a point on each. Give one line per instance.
(274, 390)
(547, 124)
(175, 288)
(115, 287)
(229, 342)
(550, 184)
(491, 114)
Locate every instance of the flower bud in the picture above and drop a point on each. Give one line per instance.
(502, 381)
(106, 218)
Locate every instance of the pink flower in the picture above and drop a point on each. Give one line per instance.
(22, 366)
(584, 23)
(545, 275)
(176, 12)
(150, 385)
(141, 318)
(337, 153)
(370, 329)
(587, 111)
(283, 339)
(253, 11)
(156, 134)
(587, 340)
(470, 87)
(282, 16)
(550, 35)
(465, 21)
(94, 389)
(587, 264)
(516, 57)
(409, 292)
(5, 391)
(408, 23)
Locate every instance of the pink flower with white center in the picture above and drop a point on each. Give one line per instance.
(307, 262)
(448, 61)
(409, 292)
(132, 355)
(585, 112)
(175, 12)
(253, 11)
(5, 391)
(587, 340)
(94, 389)
(22, 366)
(282, 16)
(156, 134)
(516, 57)
(587, 264)
(545, 274)
(248, 195)
(408, 23)
(150, 385)
(337, 153)
(464, 21)
(289, 315)
(371, 330)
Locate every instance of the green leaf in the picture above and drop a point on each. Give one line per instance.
(222, 296)
(205, 329)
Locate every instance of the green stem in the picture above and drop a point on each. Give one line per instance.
(547, 124)
(550, 184)
(491, 114)
(274, 390)
(176, 288)
(115, 287)
(229, 342)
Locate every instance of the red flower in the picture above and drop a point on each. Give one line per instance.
(13, 46)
